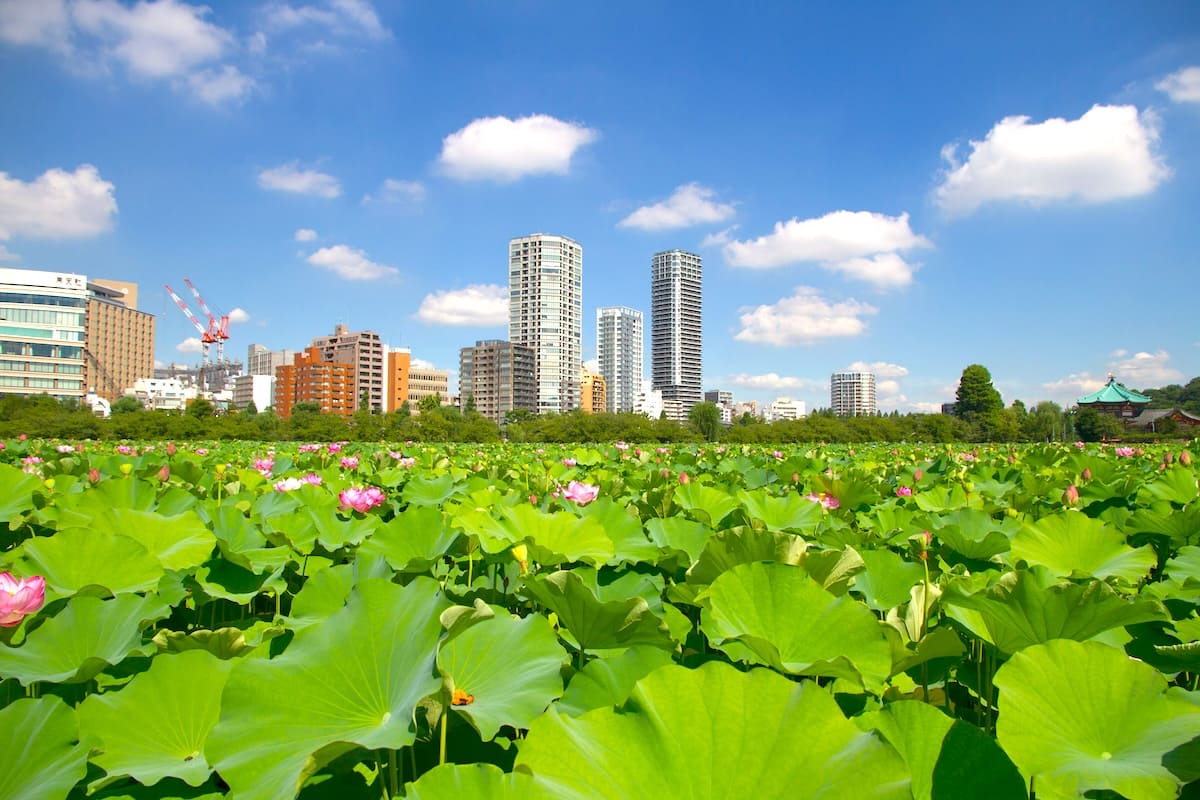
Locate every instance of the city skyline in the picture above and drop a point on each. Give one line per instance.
(902, 190)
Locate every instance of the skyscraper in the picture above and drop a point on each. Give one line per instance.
(675, 327)
(545, 313)
(497, 377)
(619, 343)
(852, 394)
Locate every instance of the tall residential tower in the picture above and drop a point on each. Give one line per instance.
(675, 329)
(619, 342)
(852, 394)
(545, 313)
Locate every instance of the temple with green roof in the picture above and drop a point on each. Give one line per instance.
(1115, 399)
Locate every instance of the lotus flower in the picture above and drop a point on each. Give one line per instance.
(19, 597)
(312, 479)
(349, 462)
(65, 448)
(903, 491)
(264, 466)
(826, 500)
(683, 478)
(334, 447)
(581, 493)
(164, 474)
(569, 462)
(1070, 496)
(288, 484)
(361, 499)
(1123, 452)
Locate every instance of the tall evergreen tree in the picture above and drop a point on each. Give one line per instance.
(976, 396)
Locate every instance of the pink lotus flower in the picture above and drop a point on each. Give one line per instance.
(581, 493)
(407, 462)
(312, 479)
(396, 454)
(1070, 496)
(826, 500)
(621, 446)
(93, 475)
(1080, 445)
(569, 462)
(361, 499)
(20, 597)
(264, 466)
(1185, 458)
(65, 448)
(1123, 452)
(334, 447)
(903, 491)
(200, 451)
(124, 449)
(778, 455)
(349, 462)
(309, 448)
(533, 499)
(288, 485)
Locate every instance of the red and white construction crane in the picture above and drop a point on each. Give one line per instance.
(207, 335)
(218, 329)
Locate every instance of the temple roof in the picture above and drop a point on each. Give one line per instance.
(1113, 392)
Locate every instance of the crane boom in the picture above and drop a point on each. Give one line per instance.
(218, 329)
(205, 335)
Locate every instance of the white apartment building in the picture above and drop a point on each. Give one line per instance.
(852, 394)
(259, 389)
(620, 340)
(261, 361)
(545, 307)
(676, 363)
(784, 408)
(43, 318)
(162, 394)
(649, 401)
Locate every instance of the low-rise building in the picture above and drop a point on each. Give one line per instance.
(257, 389)
(312, 379)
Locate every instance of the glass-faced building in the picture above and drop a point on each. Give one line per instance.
(43, 324)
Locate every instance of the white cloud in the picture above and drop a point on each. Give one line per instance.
(396, 191)
(504, 150)
(862, 245)
(889, 387)
(881, 369)
(239, 315)
(305, 235)
(691, 204)
(57, 204)
(1106, 154)
(43, 22)
(347, 17)
(479, 304)
(925, 407)
(192, 344)
(1120, 353)
(772, 380)
(592, 365)
(8, 255)
(290, 178)
(154, 40)
(804, 318)
(420, 363)
(350, 264)
(1146, 370)
(223, 85)
(1182, 86)
(720, 238)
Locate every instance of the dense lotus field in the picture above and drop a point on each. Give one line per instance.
(423, 621)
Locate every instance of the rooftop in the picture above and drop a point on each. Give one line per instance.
(1113, 392)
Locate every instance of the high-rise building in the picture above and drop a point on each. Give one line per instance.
(364, 351)
(498, 377)
(42, 333)
(312, 378)
(852, 394)
(545, 308)
(593, 392)
(676, 363)
(119, 344)
(619, 344)
(261, 361)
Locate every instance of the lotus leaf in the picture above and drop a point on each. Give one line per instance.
(474, 781)
(43, 757)
(608, 681)
(593, 623)
(75, 559)
(1074, 544)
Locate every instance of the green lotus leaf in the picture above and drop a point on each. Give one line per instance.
(597, 624)
(947, 758)
(431, 491)
(1179, 525)
(16, 487)
(224, 643)
(242, 542)
(791, 512)
(712, 732)
(474, 781)
(1184, 568)
(354, 680)
(83, 639)
(727, 549)
(413, 540)
(623, 528)
(510, 668)
(679, 533)
(940, 642)
(1027, 607)
(493, 535)
(322, 596)
(74, 559)
(973, 533)
(1082, 716)
(179, 543)
(777, 615)
(559, 536)
(1074, 544)
(43, 757)
(1176, 485)
(704, 503)
(833, 569)
(225, 580)
(608, 681)
(156, 726)
(887, 579)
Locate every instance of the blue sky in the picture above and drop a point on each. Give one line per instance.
(911, 187)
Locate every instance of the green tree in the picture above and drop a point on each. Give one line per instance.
(201, 408)
(1094, 426)
(126, 404)
(429, 403)
(251, 409)
(706, 419)
(976, 396)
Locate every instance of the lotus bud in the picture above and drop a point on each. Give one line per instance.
(521, 554)
(126, 469)
(1185, 458)
(164, 474)
(1168, 458)
(683, 478)
(917, 475)
(795, 477)
(1086, 474)
(170, 448)
(533, 499)
(219, 469)
(93, 476)
(1070, 496)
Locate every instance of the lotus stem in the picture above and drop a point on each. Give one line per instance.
(442, 742)
(393, 774)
